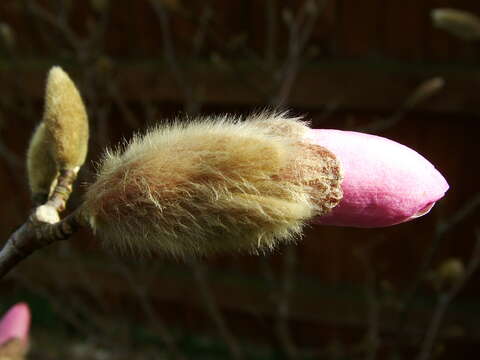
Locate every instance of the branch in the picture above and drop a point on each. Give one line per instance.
(170, 55)
(373, 305)
(43, 226)
(283, 303)
(58, 23)
(141, 290)
(441, 229)
(214, 312)
(300, 33)
(37, 232)
(444, 301)
(421, 93)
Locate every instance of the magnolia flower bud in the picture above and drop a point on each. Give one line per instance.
(451, 272)
(14, 327)
(99, 5)
(212, 185)
(41, 168)
(425, 90)
(66, 120)
(385, 183)
(460, 23)
(7, 35)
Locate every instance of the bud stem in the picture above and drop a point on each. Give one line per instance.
(63, 189)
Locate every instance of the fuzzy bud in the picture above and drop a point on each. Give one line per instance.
(424, 91)
(212, 185)
(7, 35)
(41, 168)
(462, 24)
(65, 120)
(450, 272)
(287, 17)
(99, 5)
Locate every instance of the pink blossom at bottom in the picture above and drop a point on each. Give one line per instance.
(385, 183)
(15, 323)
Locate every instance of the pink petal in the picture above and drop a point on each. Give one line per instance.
(15, 323)
(385, 183)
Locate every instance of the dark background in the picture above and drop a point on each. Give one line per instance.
(346, 64)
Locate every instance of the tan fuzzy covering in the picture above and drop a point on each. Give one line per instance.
(212, 185)
(41, 168)
(66, 120)
(13, 350)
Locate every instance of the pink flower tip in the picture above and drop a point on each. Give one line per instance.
(15, 324)
(385, 183)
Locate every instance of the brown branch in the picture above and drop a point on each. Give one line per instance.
(40, 230)
(43, 226)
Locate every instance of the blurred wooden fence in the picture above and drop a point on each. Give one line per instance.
(365, 55)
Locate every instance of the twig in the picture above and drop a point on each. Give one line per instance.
(422, 92)
(271, 33)
(71, 38)
(171, 57)
(283, 301)
(151, 314)
(444, 301)
(128, 115)
(200, 34)
(213, 311)
(65, 312)
(441, 229)
(372, 336)
(12, 159)
(300, 32)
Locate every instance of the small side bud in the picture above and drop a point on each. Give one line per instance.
(311, 7)
(424, 91)
(65, 120)
(41, 168)
(462, 24)
(451, 272)
(99, 5)
(287, 17)
(7, 35)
